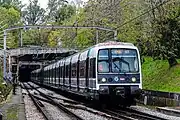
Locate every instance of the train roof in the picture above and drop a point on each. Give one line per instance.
(112, 43)
(91, 52)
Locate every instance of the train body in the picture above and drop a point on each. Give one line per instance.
(106, 71)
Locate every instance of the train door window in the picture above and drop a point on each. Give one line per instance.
(54, 75)
(73, 70)
(82, 69)
(61, 72)
(92, 68)
(57, 72)
(69, 71)
(66, 71)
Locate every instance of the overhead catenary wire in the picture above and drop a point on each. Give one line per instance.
(144, 13)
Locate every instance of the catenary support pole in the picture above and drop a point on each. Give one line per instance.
(97, 36)
(9, 63)
(4, 63)
(21, 41)
(115, 35)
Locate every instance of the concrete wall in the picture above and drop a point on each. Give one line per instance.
(157, 98)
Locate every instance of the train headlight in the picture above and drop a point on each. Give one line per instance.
(103, 79)
(133, 79)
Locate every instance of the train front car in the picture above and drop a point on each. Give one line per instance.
(118, 72)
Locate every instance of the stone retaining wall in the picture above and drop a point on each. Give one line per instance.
(158, 98)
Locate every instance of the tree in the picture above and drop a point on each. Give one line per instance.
(16, 4)
(33, 14)
(168, 33)
(53, 9)
(10, 17)
(65, 12)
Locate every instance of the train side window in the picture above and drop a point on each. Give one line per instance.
(82, 68)
(57, 72)
(67, 71)
(73, 74)
(92, 68)
(61, 71)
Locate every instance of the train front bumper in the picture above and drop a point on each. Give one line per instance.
(120, 90)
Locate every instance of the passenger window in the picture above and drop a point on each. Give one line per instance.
(73, 70)
(92, 68)
(82, 68)
(67, 71)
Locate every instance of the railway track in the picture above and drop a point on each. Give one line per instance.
(39, 106)
(115, 113)
(74, 102)
(36, 100)
(130, 114)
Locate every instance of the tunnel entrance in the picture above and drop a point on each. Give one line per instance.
(25, 72)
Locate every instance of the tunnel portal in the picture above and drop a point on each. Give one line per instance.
(25, 72)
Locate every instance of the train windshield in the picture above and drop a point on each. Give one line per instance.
(118, 61)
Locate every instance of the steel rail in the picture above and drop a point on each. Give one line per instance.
(120, 116)
(144, 115)
(60, 106)
(38, 105)
(76, 102)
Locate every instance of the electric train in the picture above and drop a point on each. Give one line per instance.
(109, 71)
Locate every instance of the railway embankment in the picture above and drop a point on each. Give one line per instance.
(161, 84)
(158, 76)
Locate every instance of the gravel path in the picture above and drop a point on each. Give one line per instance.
(154, 112)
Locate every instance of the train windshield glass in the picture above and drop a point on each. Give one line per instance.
(119, 60)
(103, 61)
(124, 60)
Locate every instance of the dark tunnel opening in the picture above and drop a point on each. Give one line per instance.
(25, 72)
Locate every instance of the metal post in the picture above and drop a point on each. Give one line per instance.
(9, 63)
(97, 36)
(4, 64)
(115, 35)
(21, 42)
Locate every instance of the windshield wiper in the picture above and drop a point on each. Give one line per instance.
(116, 66)
(121, 60)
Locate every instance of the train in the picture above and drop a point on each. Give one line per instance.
(109, 71)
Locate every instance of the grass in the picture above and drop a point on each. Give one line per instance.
(158, 76)
(12, 113)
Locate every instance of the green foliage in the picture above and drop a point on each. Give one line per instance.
(33, 14)
(53, 38)
(167, 33)
(10, 17)
(16, 4)
(53, 9)
(36, 37)
(84, 39)
(158, 76)
(65, 12)
(12, 113)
